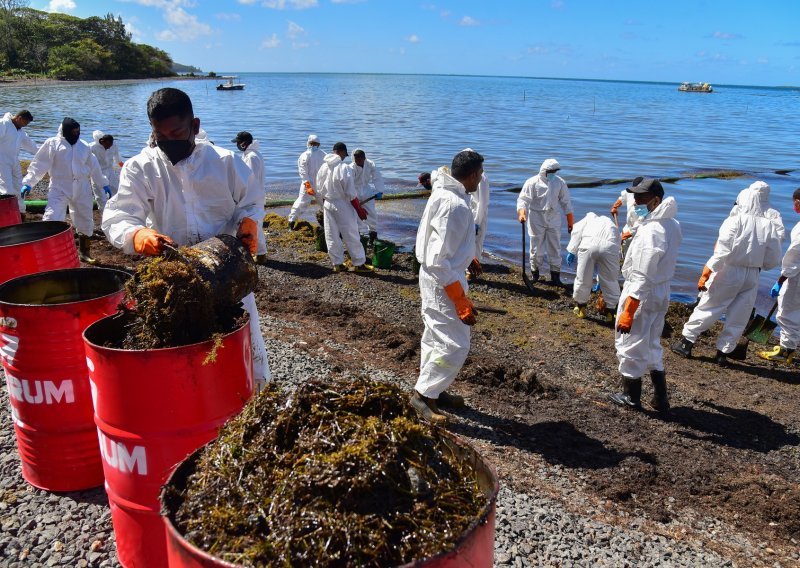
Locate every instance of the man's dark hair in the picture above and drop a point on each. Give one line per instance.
(465, 164)
(359, 152)
(796, 194)
(340, 146)
(168, 102)
(26, 114)
(106, 138)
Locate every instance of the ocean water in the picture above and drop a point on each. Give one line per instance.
(412, 123)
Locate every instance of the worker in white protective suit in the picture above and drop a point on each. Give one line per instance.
(13, 139)
(479, 204)
(648, 270)
(763, 190)
(108, 157)
(71, 166)
(541, 202)
(748, 243)
(365, 173)
(445, 247)
(251, 155)
(308, 165)
(342, 210)
(183, 193)
(594, 244)
(787, 291)
(631, 219)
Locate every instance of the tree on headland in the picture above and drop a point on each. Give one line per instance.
(66, 47)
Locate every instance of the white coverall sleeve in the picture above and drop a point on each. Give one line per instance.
(772, 256)
(127, 211)
(348, 184)
(377, 180)
(302, 169)
(445, 229)
(791, 260)
(722, 250)
(115, 155)
(40, 165)
(524, 199)
(249, 198)
(95, 172)
(576, 236)
(644, 263)
(777, 220)
(564, 199)
(27, 144)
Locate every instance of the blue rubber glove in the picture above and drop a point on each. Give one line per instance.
(570, 258)
(776, 289)
(26, 190)
(379, 195)
(477, 228)
(107, 191)
(596, 287)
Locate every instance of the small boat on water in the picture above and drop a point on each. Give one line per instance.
(231, 84)
(696, 88)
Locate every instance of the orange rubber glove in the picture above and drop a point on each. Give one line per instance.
(625, 320)
(701, 284)
(626, 235)
(360, 211)
(475, 269)
(616, 206)
(247, 234)
(570, 222)
(521, 215)
(120, 164)
(464, 306)
(309, 189)
(150, 243)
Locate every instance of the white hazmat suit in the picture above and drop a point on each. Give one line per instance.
(648, 270)
(109, 161)
(748, 242)
(363, 177)
(71, 166)
(595, 241)
(255, 161)
(206, 194)
(308, 165)
(479, 204)
(788, 315)
(544, 198)
(335, 186)
(763, 191)
(11, 142)
(445, 247)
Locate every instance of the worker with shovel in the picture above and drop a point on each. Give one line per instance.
(182, 192)
(445, 247)
(787, 290)
(365, 172)
(748, 243)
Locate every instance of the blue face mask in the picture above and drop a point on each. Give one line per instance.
(314, 148)
(641, 210)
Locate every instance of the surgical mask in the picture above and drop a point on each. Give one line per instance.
(641, 210)
(314, 148)
(176, 150)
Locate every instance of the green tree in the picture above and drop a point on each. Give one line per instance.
(83, 59)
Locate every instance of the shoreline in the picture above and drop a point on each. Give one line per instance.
(45, 82)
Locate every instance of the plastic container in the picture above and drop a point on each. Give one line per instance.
(152, 409)
(475, 548)
(9, 211)
(29, 248)
(382, 254)
(42, 318)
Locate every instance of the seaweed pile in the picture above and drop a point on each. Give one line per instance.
(336, 474)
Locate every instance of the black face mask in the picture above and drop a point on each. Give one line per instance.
(176, 150)
(70, 130)
(72, 136)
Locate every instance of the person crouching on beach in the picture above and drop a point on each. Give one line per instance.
(445, 247)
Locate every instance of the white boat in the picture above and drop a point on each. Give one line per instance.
(231, 84)
(695, 88)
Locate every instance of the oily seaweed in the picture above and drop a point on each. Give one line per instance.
(337, 474)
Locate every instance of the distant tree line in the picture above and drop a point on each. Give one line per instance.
(65, 47)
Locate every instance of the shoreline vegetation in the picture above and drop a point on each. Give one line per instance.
(27, 81)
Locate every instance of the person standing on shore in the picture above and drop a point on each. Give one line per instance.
(71, 165)
(342, 210)
(183, 193)
(445, 247)
(365, 173)
(748, 243)
(107, 155)
(648, 270)
(787, 291)
(539, 202)
(631, 219)
(308, 165)
(251, 155)
(13, 139)
(479, 204)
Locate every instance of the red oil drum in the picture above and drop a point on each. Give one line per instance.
(475, 548)
(152, 409)
(42, 318)
(29, 248)
(9, 211)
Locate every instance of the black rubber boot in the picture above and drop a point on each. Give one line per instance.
(659, 402)
(292, 224)
(427, 410)
(451, 400)
(683, 347)
(555, 278)
(721, 359)
(631, 394)
(373, 235)
(535, 274)
(739, 352)
(84, 250)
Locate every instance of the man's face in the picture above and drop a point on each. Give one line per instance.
(175, 128)
(472, 182)
(359, 159)
(20, 122)
(106, 143)
(314, 145)
(341, 153)
(648, 199)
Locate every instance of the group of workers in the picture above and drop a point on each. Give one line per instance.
(182, 189)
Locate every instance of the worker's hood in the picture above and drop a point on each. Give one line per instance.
(8, 116)
(256, 145)
(668, 209)
(442, 179)
(754, 200)
(332, 160)
(97, 135)
(549, 164)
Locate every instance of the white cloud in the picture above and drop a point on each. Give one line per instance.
(228, 16)
(726, 35)
(295, 4)
(61, 6)
(271, 42)
(762, 61)
(412, 38)
(347, 1)
(130, 27)
(294, 30)
(247, 1)
(182, 26)
(300, 45)
(467, 21)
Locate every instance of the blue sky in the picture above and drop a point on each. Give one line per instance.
(722, 42)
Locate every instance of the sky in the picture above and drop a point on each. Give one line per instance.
(741, 42)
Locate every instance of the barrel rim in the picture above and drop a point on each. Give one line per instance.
(183, 470)
(26, 278)
(7, 196)
(64, 227)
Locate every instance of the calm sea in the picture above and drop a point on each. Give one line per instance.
(411, 123)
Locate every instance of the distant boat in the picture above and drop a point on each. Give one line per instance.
(231, 84)
(696, 88)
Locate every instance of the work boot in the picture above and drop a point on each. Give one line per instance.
(739, 352)
(609, 314)
(778, 355)
(261, 259)
(451, 400)
(373, 235)
(292, 223)
(84, 250)
(580, 311)
(721, 359)
(339, 268)
(427, 410)
(364, 268)
(631, 394)
(535, 274)
(683, 347)
(555, 278)
(659, 402)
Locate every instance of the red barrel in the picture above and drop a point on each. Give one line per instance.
(42, 318)
(475, 548)
(9, 211)
(152, 409)
(29, 248)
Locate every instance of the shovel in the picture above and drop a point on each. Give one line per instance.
(525, 276)
(760, 328)
(378, 195)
